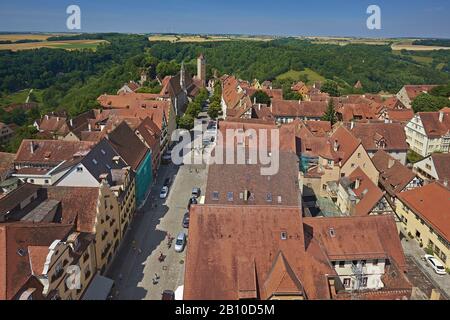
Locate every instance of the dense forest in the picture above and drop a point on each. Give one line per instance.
(72, 80)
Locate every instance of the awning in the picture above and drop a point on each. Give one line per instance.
(99, 288)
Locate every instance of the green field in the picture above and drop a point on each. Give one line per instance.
(299, 75)
(20, 97)
(418, 59)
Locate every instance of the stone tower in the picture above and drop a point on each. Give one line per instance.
(201, 69)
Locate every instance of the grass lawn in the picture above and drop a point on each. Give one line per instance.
(20, 97)
(297, 75)
(413, 157)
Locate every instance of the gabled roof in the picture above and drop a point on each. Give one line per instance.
(102, 159)
(353, 238)
(402, 115)
(346, 144)
(81, 214)
(441, 163)
(367, 193)
(414, 90)
(392, 135)
(431, 202)
(289, 108)
(394, 176)
(128, 145)
(434, 127)
(15, 239)
(282, 279)
(51, 152)
(231, 181)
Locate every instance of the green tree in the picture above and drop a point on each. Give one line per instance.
(214, 110)
(261, 97)
(330, 87)
(427, 102)
(330, 114)
(186, 122)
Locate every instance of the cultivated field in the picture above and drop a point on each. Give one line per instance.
(15, 37)
(67, 45)
(407, 45)
(198, 38)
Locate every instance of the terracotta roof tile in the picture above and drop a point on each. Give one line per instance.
(431, 202)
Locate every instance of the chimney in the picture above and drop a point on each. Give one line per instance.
(46, 117)
(254, 100)
(357, 183)
(352, 125)
(259, 106)
(391, 163)
(89, 127)
(57, 119)
(336, 146)
(441, 116)
(445, 183)
(71, 122)
(31, 147)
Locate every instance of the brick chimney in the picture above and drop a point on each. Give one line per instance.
(391, 163)
(357, 183)
(31, 147)
(441, 116)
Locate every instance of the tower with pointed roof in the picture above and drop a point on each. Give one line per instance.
(201, 69)
(183, 77)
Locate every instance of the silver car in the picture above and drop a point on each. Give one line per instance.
(180, 242)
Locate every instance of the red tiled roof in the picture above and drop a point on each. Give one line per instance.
(414, 90)
(346, 142)
(15, 238)
(402, 115)
(238, 251)
(394, 176)
(434, 127)
(431, 202)
(51, 151)
(367, 192)
(289, 108)
(392, 134)
(441, 163)
(82, 214)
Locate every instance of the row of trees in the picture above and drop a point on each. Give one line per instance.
(215, 108)
(193, 109)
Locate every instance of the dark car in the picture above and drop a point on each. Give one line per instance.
(191, 202)
(168, 295)
(196, 192)
(167, 182)
(186, 220)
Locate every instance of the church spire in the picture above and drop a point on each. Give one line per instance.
(182, 77)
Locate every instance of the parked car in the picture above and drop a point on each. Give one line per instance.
(164, 192)
(196, 192)
(185, 223)
(167, 182)
(168, 295)
(167, 156)
(180, 242)
(191, 201)
(434, 263)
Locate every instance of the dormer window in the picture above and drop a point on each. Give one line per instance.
(332, 232)
(269, 197)
(283, 235)
(215, 195)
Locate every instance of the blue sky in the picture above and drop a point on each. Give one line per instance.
(400, 18)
